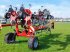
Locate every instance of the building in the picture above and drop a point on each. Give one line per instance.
(62, 19)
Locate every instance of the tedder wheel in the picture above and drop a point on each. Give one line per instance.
(10, 37)
(33, 43)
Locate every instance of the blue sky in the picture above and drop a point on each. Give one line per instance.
(57, 8)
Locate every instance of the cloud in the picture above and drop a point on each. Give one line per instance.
(2, 9)
(2, 6)
(7, 1)
(61, 10)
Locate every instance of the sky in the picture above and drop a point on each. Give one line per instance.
(57, 8)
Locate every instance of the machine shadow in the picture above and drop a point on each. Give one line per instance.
(20, 41)
(45, 41)
(66, 43)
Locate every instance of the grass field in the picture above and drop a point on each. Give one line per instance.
(58, 41)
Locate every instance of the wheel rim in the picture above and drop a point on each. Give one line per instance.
(35, 44)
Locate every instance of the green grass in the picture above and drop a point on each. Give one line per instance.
(58, 41)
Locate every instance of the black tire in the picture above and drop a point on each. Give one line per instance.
(10, 37)
(33, 43)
